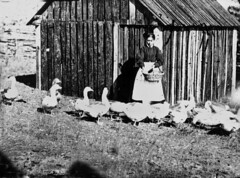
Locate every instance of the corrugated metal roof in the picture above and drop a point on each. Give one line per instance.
(190, 13)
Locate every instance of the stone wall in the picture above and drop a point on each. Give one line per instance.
(17, 40)
(17, 49)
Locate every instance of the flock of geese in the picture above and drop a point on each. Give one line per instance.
(212, 114)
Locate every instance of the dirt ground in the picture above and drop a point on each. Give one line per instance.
(63, 145)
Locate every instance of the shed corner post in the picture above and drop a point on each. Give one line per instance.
(234, 58)
(115, 50)
(116, 42)
(38, 57)
(173, 77)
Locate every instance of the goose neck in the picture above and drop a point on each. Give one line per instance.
(105, 100)
(13, 84)
(53, 93)
(85, 95)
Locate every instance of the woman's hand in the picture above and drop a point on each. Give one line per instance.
(161, 69)
(141, 64)
(156, 64)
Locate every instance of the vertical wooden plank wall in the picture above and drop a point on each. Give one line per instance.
(90, 54)
(44, 68)
(206, 68)
(50, 50)
(125, 44)
(166, 54)
(57, 51)
(73, 54)
(85, 79)
(234, 58)
(77, 39)
(97, 10)
(208, 83)
(95, 55)
(230, 61)
(173, 69)
(116, 10)
(100, 62)
(183, 60)
(109, 53)
(80, 73)
(63, 56)
(204, 64)
(83, 55)
(68, 81)
(179, 64)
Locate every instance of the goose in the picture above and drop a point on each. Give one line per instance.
(180, 113)
(210, 118)
(11, 94)
(205, 115)
(231, 122)
(117, 107)
(56, 81)
(179, 116)
(138, 111)
(97, 110)
(80, 104)
(219, 109)
(58, 94)
(188, 104)
(230, 125)
(50, 102)
(160, 111)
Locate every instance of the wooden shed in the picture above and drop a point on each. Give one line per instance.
(84, 43)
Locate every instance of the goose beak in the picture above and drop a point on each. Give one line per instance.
(59, 88)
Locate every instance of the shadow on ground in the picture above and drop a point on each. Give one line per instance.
(83, 170)
(7, 169)
(29, 80)
(219, 131)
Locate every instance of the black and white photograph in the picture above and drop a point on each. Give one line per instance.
(120, 88)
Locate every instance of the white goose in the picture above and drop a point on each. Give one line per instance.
(183, 110)
(230, 125)
(188, 104)
(160, 111)
(11, 94)
(138, 111)
(97, 110)
(58, 94)
(80, 104)
(216, 118)
(50, 102)
(179, 116)
(117, 107)
(205, 115)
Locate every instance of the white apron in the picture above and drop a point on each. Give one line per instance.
(144, 90)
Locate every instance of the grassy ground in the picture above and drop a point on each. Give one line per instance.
(39, 145)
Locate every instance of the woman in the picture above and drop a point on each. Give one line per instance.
(150, 57)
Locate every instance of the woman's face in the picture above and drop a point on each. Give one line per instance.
(150, 41)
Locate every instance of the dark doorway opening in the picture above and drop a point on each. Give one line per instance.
(29, 80)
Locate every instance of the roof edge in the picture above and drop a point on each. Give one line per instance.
(39, 12)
